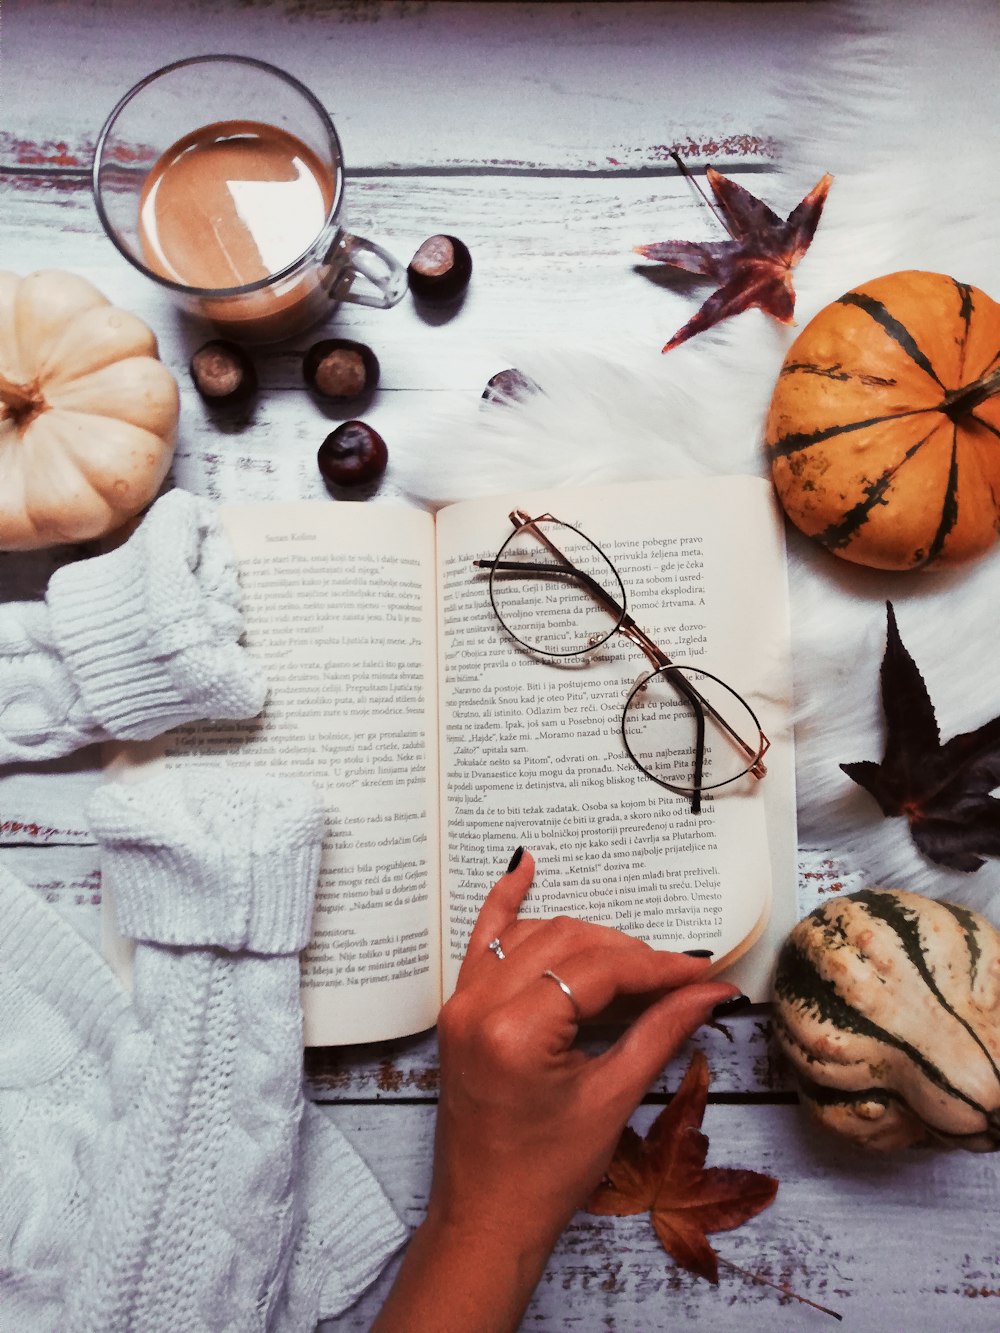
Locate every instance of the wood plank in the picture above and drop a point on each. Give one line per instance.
(739, 1051)
(890, 1243)
(557, 87)
(43, 804)
(740, 1055)
(569, 276)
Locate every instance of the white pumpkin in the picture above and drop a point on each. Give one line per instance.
(87, 412)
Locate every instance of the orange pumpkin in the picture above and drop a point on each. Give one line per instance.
(884, 428)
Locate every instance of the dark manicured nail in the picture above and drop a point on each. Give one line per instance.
(700, 953)
(731, 1006)
(515, 860)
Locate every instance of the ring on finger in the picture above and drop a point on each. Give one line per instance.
(577, 1011)
(496, 947)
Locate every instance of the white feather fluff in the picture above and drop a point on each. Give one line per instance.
(886, 105)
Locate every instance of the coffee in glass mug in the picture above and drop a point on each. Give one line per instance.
(238, 216)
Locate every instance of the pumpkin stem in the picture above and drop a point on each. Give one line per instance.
(961, 402)
(22, 401)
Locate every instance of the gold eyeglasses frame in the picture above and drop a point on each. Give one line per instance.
(625, 625)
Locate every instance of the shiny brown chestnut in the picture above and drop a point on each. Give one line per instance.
(510, 386)
(440, 270)
(352, 455)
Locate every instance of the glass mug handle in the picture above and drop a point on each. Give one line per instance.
(353, 256)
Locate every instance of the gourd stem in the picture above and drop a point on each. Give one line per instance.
(961, 402)
(20, 398)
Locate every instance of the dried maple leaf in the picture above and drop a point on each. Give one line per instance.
(754, 267)
(942, 790)
(665, 1174)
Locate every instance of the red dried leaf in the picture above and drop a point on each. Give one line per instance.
(628, 1186)
(942, 790)
(718, 1199)
(665, 1174)
(685, 1110)
(754, 268)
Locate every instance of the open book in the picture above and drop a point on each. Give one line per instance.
(439, 746)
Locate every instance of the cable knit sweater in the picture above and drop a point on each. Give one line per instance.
(131, 643)
(159, 1169)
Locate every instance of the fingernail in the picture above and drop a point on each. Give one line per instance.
(515, 860)
(699, 953)
(731, 1006)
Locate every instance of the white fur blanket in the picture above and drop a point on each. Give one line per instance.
(901, 102)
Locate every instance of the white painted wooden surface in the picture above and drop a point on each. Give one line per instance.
(541, 134)
(892, 1245)
(531, 87)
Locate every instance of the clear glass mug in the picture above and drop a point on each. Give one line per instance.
(176, 104)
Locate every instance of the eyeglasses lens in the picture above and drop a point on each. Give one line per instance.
(661, 721)
(543, 603)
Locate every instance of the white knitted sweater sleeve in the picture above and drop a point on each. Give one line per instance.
(61, 1011)
(208, 1219)
(130, 643)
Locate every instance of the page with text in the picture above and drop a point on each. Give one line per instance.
(533, 750)
(339, 602)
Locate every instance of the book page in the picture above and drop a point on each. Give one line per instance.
(533, 752)
(339, 602)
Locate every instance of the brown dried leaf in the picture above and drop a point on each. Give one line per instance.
(665, 1174)
(628, 1186)
(754, 267)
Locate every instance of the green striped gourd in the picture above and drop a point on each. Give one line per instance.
(887, 1005)
(883, 428)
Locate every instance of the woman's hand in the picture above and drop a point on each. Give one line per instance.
(527, 1122)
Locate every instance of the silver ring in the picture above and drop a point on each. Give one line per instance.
(577, 1012)
(497, 948)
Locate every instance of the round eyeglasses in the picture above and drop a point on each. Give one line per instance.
(556, 593)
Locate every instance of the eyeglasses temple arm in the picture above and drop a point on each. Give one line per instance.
(591, 584)
(641, 639)
(627, 626)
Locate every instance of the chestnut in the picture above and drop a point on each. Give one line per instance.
(339, 370)
(510, 386)
(223, 373)
(352, 455)
(440, 270)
